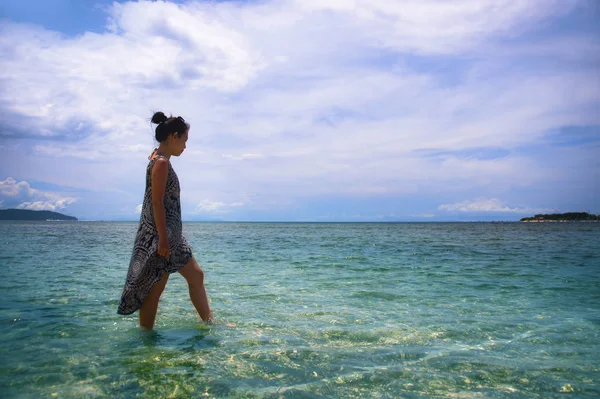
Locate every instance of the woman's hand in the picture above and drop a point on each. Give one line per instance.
(163, 247)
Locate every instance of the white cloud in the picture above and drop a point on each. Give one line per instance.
(138, 209)
(46, 205)
(21, 196)
(487, 205)
(325, 97)
(427, 215)
(437, 27)
(175, 38)
(242, 157)
(11, 188)
(216, 206)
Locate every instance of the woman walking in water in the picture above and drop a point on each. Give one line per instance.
(160, 248)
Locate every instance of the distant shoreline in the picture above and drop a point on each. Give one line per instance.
(29, 215)
(562, 218)
(560, 221)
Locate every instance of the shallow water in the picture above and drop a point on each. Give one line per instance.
(308, 310)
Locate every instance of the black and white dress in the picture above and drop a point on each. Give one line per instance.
(146, 267)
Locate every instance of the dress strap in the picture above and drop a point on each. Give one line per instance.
(152, 156)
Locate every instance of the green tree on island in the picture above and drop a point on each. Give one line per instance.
(569, 216)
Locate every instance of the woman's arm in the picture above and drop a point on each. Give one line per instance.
(160, 171)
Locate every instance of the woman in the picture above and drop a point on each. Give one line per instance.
(160, 248)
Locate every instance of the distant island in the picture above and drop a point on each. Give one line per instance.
(25, 214)
(563, 217)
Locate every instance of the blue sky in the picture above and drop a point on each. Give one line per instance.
(304, 110)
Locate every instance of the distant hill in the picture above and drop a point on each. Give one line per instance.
(564, 217)
(25, 214)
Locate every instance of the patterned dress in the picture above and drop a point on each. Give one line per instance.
(146, 267)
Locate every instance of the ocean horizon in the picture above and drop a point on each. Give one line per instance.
(299, 221)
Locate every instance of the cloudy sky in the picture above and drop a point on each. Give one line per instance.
(304, 110)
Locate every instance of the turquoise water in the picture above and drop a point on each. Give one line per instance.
(461, 310)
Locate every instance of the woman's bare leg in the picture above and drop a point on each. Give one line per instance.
(195, 279)
(150, 305)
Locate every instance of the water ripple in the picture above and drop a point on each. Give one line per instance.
(308, 311)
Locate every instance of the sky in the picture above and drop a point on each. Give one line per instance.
(304, 110)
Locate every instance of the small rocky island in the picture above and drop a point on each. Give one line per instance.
(563, 217)
(25, 214)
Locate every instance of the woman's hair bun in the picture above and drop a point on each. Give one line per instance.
(159, 117)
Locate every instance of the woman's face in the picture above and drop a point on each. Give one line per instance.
(178, 144)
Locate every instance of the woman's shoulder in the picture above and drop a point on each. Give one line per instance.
(157, 162)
